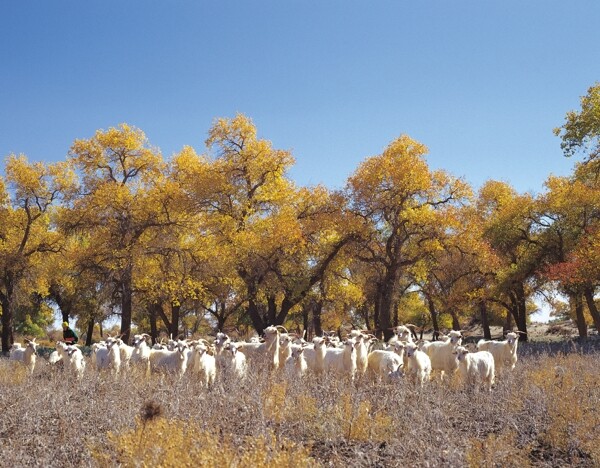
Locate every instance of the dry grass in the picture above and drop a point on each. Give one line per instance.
(545, 413)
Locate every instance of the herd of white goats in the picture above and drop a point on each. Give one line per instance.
(401, 356)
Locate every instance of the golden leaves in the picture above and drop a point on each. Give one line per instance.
(117, 155)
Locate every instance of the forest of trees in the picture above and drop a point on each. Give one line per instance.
(226, 240)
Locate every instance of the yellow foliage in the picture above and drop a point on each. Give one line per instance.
(163, 442)
(274, 401)
(360, 423)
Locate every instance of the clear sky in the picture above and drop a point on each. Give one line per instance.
(481, 83)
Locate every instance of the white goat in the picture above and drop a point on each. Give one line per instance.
(75, 361)
(203, 363)
(440, 353)
(220, 341)
(363, 344)
(475, 368)
(380, 363)
(59, 354)
(70, 356)
(315, 355)
(287, 343)
(126, 352)
(417, 364)
(221, 356)
(26, 355)
(269, 349)
(402, 333)
(107, 355)
(172, 344)
(141, 351)
(170, 361)
(295, 365)
(54, 357)
(235, 361)
(504, 352)
(342, 360)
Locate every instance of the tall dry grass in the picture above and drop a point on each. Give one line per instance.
(545, 413)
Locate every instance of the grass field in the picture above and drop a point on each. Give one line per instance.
(544, 413)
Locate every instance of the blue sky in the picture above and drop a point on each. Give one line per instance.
(481, 83)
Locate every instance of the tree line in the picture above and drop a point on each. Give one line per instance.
(226, 240)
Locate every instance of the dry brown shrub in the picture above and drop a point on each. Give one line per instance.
(572, 390)
(13, 373)
(544, 413)
(497, 451)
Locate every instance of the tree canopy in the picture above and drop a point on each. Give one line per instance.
(224, 239)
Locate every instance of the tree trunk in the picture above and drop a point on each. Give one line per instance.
(455, 320)
(257, 321)
(388, 299)
(7, 316)
(317, 325)
(377, 310)
(90, 333)
(577, 303)
(220, 322)
(434, 318)
(64, 304)
(271, 311)
(286, 306)
(508, 322)
(485, 323)
(126, 304)
(364, 313)
(153, 327)
(158, 308)
(6, 326)
(175, 311)
(519, 309)
(589, 298)
(255, 317)
(306, 316)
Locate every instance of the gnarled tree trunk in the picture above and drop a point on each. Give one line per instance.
(485, 323)
(589, 298)
(577, 303)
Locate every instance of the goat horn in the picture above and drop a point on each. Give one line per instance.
(281, 326)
